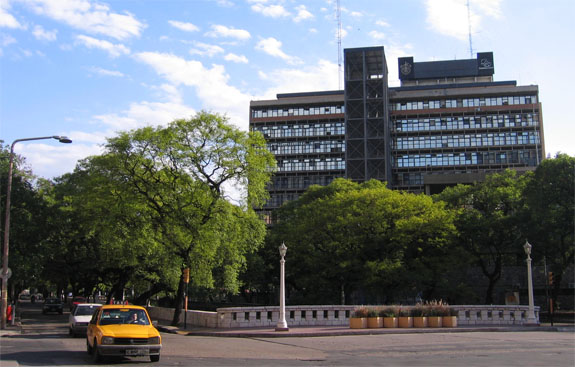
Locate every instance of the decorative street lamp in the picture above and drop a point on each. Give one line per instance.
(282, 324)
(531, 320)
(5, 270)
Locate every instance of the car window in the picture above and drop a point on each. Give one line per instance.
(85, 310)
(52, 301)
(124, 316)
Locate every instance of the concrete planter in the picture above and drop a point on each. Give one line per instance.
(374, 322)
(434, 321)
(390, 322)
(420, 321)
(405, 321)
(358, 323)
(449, 321)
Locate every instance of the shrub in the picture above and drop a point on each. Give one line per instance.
(419, 310)
(438, 308)
(372, 312)
(359, 312)
(403, 312)
(389, 311)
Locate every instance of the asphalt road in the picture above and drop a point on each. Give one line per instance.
(45, 342)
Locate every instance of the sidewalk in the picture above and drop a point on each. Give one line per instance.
(302, 331)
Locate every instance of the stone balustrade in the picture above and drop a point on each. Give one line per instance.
(330, 315)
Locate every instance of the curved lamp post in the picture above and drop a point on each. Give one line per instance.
(5, 271)
(531, 320)
(282, 324)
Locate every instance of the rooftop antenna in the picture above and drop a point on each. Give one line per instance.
(339, 61)
(469, 27)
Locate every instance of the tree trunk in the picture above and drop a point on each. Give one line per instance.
(179, 300)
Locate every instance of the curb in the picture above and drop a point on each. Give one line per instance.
(315, 332)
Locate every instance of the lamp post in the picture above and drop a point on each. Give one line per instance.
(531, 320)
(282, 324)
(5, 271)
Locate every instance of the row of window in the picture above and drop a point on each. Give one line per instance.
(404, 179)
(473, 158)
(299, 130)
(466, 122)
(313, 147)
(276, 200)
(473, 140)
(300, 111)
(318, 164)
(463, 102)
(300, 182)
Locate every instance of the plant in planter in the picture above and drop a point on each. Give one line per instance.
(419, 313)
(374, 321)
(451, 319)
(437, 310)
(358, 319)
(390, 316)
(404, 320)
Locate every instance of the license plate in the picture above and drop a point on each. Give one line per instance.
(137, 352)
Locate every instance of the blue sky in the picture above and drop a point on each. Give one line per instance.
(87, 69)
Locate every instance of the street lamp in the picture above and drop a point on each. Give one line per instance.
(282, 324)
(531, 320)
(5, 271)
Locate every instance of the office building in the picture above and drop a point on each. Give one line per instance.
(448, 122)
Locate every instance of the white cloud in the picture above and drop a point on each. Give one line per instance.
(377, 36)
(211, 84)
(6, 40)
(382, 23)
(7, 20)
(188, 27)
(302, 14)
(450, 17)
(51, 160)
(272, 47)
(356, 14)
(219, 31)
(112, 49)
(145, 113)
(91, 17)
(44, 35)
(204, 49)
(106, 72)
(273, 11)
(240, 59)
(323, 76)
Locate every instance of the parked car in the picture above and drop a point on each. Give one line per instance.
(53, 305)
(80, 316)
(75, 301)
(122, 330)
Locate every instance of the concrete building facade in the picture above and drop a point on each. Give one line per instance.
(448, 122)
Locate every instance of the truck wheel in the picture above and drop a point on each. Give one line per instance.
(155, 358)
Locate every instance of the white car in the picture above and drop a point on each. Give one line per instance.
(80, 316)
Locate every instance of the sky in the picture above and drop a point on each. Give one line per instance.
(88, 69)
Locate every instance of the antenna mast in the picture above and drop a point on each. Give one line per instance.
(469, 27)
(339, 61)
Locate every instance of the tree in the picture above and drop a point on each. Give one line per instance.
(550, 201)
(28, 225)
(489, 222)
(180, 173)
(364, 239)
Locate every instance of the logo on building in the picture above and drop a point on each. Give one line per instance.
(485, 64)
(405, 68)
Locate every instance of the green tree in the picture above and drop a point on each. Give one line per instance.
(28, 225)
(181, 173)
(364, 239)
(550, 201)
(489, 222)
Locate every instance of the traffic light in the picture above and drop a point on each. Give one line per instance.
(550, 278)
(186, 275)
